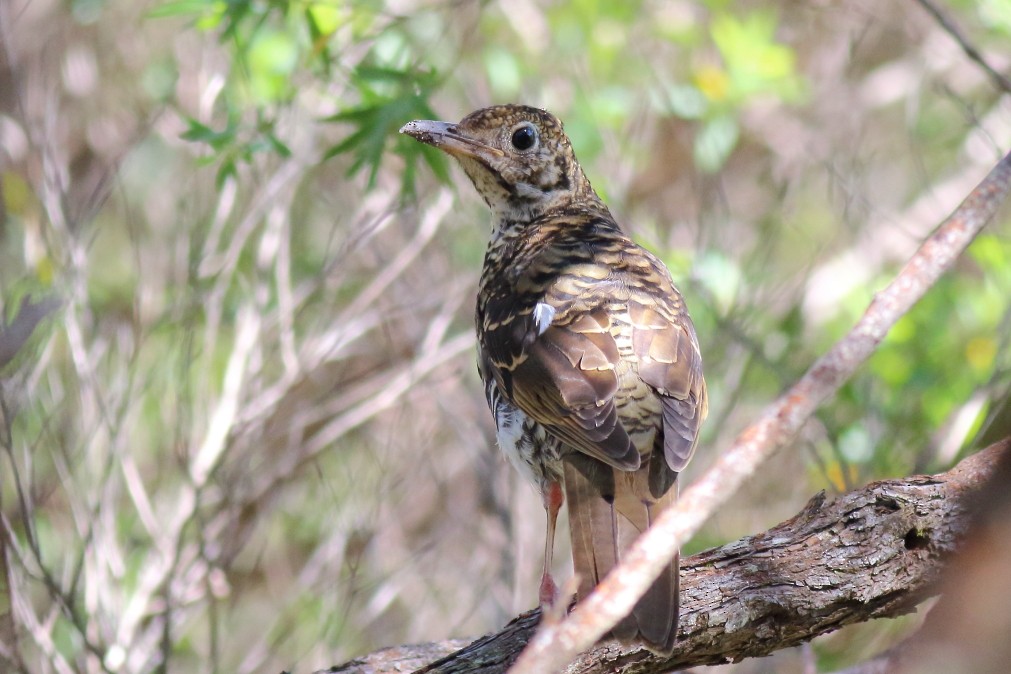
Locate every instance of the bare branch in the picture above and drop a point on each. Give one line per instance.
(555, 645)
(948, 24)
(875, 552)
(14, 335)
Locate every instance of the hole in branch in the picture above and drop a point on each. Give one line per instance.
(916, 539)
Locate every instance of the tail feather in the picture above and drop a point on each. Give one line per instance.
(608, 509)
(592, 525)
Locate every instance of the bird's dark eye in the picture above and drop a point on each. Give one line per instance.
(524, 137)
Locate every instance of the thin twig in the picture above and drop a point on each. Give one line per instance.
(557, 644)
(948, 24)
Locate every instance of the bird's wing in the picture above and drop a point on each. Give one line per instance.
(551, 347)
(665, 344)
(562, 376)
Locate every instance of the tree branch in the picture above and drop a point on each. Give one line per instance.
(15, 334)
(967, 629)
(875, 552)
(948, 24)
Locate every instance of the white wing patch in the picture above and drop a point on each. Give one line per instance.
(543, 315)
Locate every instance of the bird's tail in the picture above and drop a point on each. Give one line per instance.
(608, 509)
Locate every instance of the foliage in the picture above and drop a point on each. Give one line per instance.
(389, 96)
(252, 439)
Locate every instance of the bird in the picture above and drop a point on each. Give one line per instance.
(590, 362)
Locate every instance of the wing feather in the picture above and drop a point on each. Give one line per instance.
(670, 362)
(561, 374)
(567, 383)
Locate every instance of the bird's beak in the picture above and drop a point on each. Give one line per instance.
(448, 138)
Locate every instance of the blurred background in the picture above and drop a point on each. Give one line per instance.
(252, 437)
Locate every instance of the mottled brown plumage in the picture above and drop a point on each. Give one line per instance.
(591, 364)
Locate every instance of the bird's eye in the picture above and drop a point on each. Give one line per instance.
(524, 137)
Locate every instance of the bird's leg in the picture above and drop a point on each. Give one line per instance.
(552, 495)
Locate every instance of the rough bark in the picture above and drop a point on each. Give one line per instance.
(967, 630)
(875, 552)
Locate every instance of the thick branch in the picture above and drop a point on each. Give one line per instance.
(872, 553)
(967, 629)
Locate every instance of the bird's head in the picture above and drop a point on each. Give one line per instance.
(518, 158)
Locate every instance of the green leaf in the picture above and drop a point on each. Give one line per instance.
(714, 143)
(279, 147)
(202, 133)
(271, 59)
(996, 14)
(324, 18)
(504, 74)
(390, 98)
(179, 8)
(225, 171)
(755, 61)
(685, 101)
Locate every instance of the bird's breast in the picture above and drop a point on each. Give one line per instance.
(526, 444)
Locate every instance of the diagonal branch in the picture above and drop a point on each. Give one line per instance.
(872, 553)
(16, 333)
(948, 24)
(557, 644)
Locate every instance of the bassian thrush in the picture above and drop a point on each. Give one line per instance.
(590, 362)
